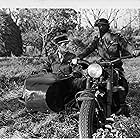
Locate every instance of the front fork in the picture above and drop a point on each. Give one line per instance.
(88, 83)
(109, 93)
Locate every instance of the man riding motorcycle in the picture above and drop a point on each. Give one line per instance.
(111, 46)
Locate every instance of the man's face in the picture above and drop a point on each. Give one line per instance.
(103, 28)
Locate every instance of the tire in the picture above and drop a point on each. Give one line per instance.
(88, 123)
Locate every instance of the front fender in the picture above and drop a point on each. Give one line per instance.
(85, 95)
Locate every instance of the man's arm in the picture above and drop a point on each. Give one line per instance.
(125, 47)
(92, 46)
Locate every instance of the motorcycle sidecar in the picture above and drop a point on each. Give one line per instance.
(46, 93)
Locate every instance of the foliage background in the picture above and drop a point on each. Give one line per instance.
(30, 31)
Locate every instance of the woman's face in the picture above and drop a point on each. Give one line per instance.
(63, 47)
(97, 31)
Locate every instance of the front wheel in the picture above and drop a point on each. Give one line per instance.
(88, 119)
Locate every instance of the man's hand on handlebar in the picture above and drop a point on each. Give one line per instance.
(75, 60)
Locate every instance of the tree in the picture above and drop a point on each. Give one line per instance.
(40, 26)
(91, 15)
(10, 35)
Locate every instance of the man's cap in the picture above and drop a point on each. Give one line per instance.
(101, 21)
(61, 39)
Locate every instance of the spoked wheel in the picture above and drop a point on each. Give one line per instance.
(88, 119)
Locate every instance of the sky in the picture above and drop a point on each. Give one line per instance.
(71, 3)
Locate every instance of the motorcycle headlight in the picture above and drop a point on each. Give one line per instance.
(95, 70)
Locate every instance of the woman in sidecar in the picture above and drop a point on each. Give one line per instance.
(53, 90)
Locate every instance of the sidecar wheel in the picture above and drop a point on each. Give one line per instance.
(88, 122)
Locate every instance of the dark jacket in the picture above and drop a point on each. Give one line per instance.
(109, 47)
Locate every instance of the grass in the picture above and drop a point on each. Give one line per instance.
(17, 122)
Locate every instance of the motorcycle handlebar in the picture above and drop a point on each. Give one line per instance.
(86, 63)
(116, 60)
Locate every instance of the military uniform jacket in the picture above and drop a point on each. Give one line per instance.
(109, 47)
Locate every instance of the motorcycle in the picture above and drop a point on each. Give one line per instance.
(99, 98)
